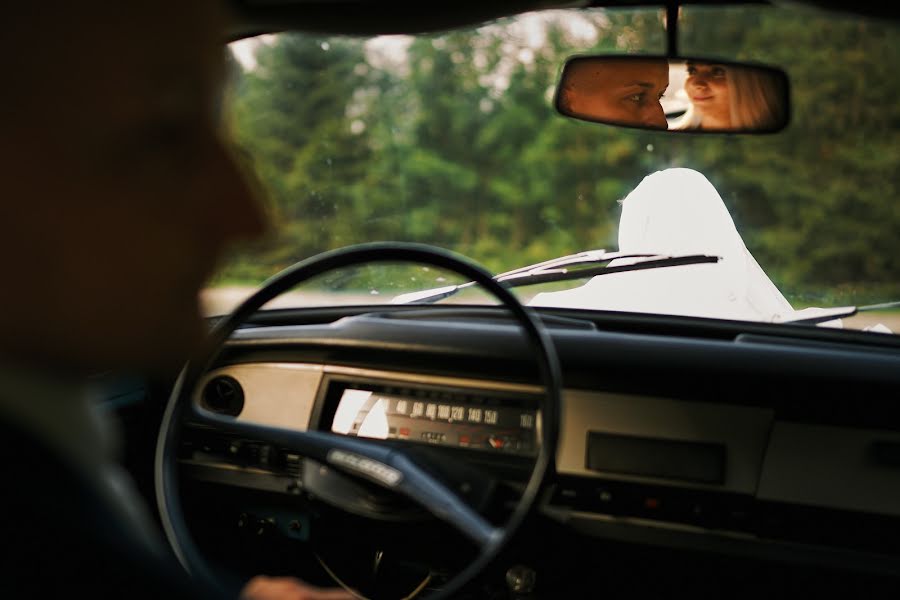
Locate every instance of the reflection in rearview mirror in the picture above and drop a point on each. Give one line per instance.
(675, 95)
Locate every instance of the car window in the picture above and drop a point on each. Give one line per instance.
(452, 140)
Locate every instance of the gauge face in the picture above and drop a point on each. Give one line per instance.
(470, 421)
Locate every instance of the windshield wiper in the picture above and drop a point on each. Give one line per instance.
(566, 268)
(882, 306)
(823, 315)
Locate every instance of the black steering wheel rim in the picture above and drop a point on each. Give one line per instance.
(179, 406)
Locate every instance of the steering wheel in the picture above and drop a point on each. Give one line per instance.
(387, 466)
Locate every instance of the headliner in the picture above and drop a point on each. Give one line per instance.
(373, 17)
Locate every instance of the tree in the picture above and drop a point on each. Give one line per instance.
(458, 145)
(291, 117)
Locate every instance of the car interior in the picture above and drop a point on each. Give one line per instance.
(491, 450)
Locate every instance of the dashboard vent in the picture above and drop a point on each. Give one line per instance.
(224, 395)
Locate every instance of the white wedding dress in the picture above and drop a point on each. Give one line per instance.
(678, 212)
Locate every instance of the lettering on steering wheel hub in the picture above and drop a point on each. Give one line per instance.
(367, 467)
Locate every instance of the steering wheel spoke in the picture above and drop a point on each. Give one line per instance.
(388, 467)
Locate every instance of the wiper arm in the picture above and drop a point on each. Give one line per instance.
(823, 315)
(588, 264)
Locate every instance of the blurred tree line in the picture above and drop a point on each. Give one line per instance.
(454, 142)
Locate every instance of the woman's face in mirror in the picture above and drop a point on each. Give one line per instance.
(707, 88)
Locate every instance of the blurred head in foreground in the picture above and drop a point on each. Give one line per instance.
(118, 190)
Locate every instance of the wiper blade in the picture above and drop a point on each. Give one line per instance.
(561, 269)
(814, 316)
(587, 256)
(822, 315)
(560, 273)
(882, 306)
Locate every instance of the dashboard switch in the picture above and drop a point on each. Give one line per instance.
(267, 456)
(651, 503)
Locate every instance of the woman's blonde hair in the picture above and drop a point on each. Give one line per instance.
(756, 102)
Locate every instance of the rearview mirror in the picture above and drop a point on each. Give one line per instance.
(685, 95)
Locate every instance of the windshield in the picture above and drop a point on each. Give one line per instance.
(452, 140)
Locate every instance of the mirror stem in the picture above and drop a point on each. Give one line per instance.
(672, 29)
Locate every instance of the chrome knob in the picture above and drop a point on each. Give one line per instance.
(521, 579)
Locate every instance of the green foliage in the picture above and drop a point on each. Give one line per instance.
(459, 146)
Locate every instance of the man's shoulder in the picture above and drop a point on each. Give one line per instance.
(60, 535)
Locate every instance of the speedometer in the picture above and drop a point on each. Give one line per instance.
(443, 417)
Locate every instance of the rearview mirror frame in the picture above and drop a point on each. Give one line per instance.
(764, 109)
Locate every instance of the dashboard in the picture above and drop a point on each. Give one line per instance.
(476, 415)
(738, 443)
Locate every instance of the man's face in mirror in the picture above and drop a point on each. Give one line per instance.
(119, 192)
(626, 92)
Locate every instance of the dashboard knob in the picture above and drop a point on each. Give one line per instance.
(265, 527)
(521, 579)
